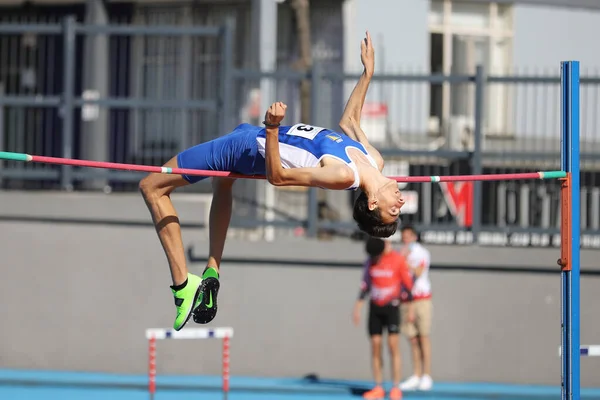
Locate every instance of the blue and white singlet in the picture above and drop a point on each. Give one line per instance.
(243, 150)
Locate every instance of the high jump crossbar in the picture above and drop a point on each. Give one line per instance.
(5, 155)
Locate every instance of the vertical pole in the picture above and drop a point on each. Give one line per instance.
(570, 227)
(476, 163)
(264, 48)
(269, 216)
(95, 142)
(152, 367)
(313, 201)
(226, 75)
(68, 110)
(225, 367)
(1, 132)
(185, 69)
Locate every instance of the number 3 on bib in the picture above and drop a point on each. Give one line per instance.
(304, 130)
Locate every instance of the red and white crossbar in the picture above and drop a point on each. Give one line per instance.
(4, 155)
(154, 334)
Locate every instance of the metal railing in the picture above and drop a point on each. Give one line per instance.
(65, 117)
(162, 92)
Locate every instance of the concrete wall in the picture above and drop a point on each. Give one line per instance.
(80, 296)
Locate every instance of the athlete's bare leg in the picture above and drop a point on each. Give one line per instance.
(192, 293)
(426, 354)
(417, 359)
(220, 216)
(396, 361)
(156, 189)
(376, 359)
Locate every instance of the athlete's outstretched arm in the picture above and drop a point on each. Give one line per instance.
(350, 121)
(335, 177)
(356, 100)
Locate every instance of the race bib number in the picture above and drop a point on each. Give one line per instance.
(304, 130)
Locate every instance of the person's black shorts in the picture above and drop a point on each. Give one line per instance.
(387, 316)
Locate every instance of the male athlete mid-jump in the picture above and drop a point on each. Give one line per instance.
(296, 155)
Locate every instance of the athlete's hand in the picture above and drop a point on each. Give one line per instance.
(356, 312)
(356, 316)
(367, 54)
(275, 113)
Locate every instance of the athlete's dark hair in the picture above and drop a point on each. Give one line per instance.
(369, 221)
(408, 227)
(374, 247)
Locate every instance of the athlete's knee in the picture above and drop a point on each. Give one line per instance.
(153, 187)
(146, 186)
(156, 185)
(376, 340)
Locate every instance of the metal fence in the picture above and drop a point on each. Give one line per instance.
(140, 94)
(117, 93)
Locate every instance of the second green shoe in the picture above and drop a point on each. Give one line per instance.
(206, 306)
(185, 299)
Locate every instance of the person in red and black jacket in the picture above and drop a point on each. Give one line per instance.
(385, 275)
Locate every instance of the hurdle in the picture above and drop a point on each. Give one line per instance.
(154, 334)
(592, 350)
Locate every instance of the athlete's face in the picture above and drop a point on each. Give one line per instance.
(408, 236)
(389, 201)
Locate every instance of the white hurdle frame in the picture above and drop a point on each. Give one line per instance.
(155, 334)
(592, 350)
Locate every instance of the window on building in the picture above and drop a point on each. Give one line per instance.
(180, 68)
(464, 35)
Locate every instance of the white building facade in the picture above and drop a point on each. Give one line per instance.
(520, 37)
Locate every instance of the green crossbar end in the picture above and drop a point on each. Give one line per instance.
(553, 174)
(4, 155)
